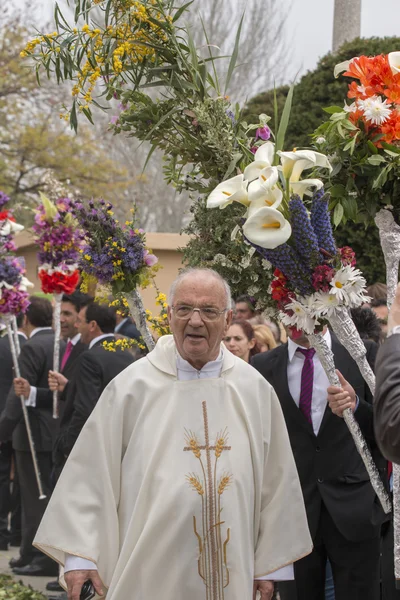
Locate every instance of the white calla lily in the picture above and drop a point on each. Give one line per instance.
(294, 163)
(394, 62)
(8, 226)
(271, 198)
(25, 283)
(267, 179)
(304, 186)
(231, 190)
(263, 158)
(342, 67)
(267, 227)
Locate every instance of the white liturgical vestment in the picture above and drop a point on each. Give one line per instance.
(180, 489)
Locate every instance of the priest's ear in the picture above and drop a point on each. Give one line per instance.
(228, 320)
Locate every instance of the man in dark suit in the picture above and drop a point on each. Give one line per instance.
(9, 500)
(96, 368)
(126, 327)
(35, 360)
(344, 515)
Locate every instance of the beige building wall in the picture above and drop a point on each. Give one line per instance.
(164, 245)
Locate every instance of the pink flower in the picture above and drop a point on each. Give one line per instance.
(263, 133)
(253, 149)
(149, 259)
(113, 120)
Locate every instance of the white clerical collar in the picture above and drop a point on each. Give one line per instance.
(75, 339)
(23, 334)
(292, 346)
(212, 366)
(35, 331)
(100, 337)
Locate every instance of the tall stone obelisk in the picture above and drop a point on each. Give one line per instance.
(346, 22)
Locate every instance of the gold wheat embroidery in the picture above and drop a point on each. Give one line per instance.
(212, 561)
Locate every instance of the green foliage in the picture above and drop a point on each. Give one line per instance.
(316, 90)
(10, 590)
(365, 243)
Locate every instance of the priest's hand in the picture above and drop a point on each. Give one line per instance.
(57, 382)
(340, 398)
(22, 387)
(265, 589)
(76, 579)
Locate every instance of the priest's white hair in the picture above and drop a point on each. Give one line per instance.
(194, 271)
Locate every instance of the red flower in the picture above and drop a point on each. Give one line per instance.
(58, 282)
(347, 256)
(6, 214)
(321, 278)
(279, 291)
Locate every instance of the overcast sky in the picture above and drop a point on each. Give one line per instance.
(309, 26)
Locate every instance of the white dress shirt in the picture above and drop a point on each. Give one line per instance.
(320, 385)
(185, 372)
(103, 336)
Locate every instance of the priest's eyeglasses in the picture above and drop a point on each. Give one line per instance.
(206, 314)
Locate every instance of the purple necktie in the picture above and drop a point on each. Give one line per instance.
(307, 381)
(66, 355)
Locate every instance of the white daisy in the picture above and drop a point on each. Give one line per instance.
(302, 317)
(376, 110)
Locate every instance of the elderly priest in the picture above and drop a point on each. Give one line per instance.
(182, 483)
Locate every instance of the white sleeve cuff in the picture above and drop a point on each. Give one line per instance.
(31, 401)
(283, 574)
(76, 563)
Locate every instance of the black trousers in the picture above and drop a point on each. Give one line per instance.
(355, 567)
(10, 501)
(32, 507)
(389, 591)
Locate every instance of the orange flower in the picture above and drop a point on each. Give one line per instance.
(391, 128)
(375, 77)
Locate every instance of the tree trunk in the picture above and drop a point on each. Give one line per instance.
(346, 22)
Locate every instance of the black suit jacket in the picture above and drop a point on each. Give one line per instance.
(44, 398)
(7, 367)
(96, 368)
(329, 466)
(35, 361)
(387, 398)
(130, 330)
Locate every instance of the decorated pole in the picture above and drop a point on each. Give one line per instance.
(59, 237)
(389, 234)
(57, 339)
(315, 282)
(138, 312)
(8, 321)
(14, 327)
(326, 358)
(343, 326)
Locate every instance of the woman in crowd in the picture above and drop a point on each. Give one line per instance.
(240, 340)
(265, 339)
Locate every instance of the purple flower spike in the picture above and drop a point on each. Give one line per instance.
(304, 237)
(321, 222)
(263, 133)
